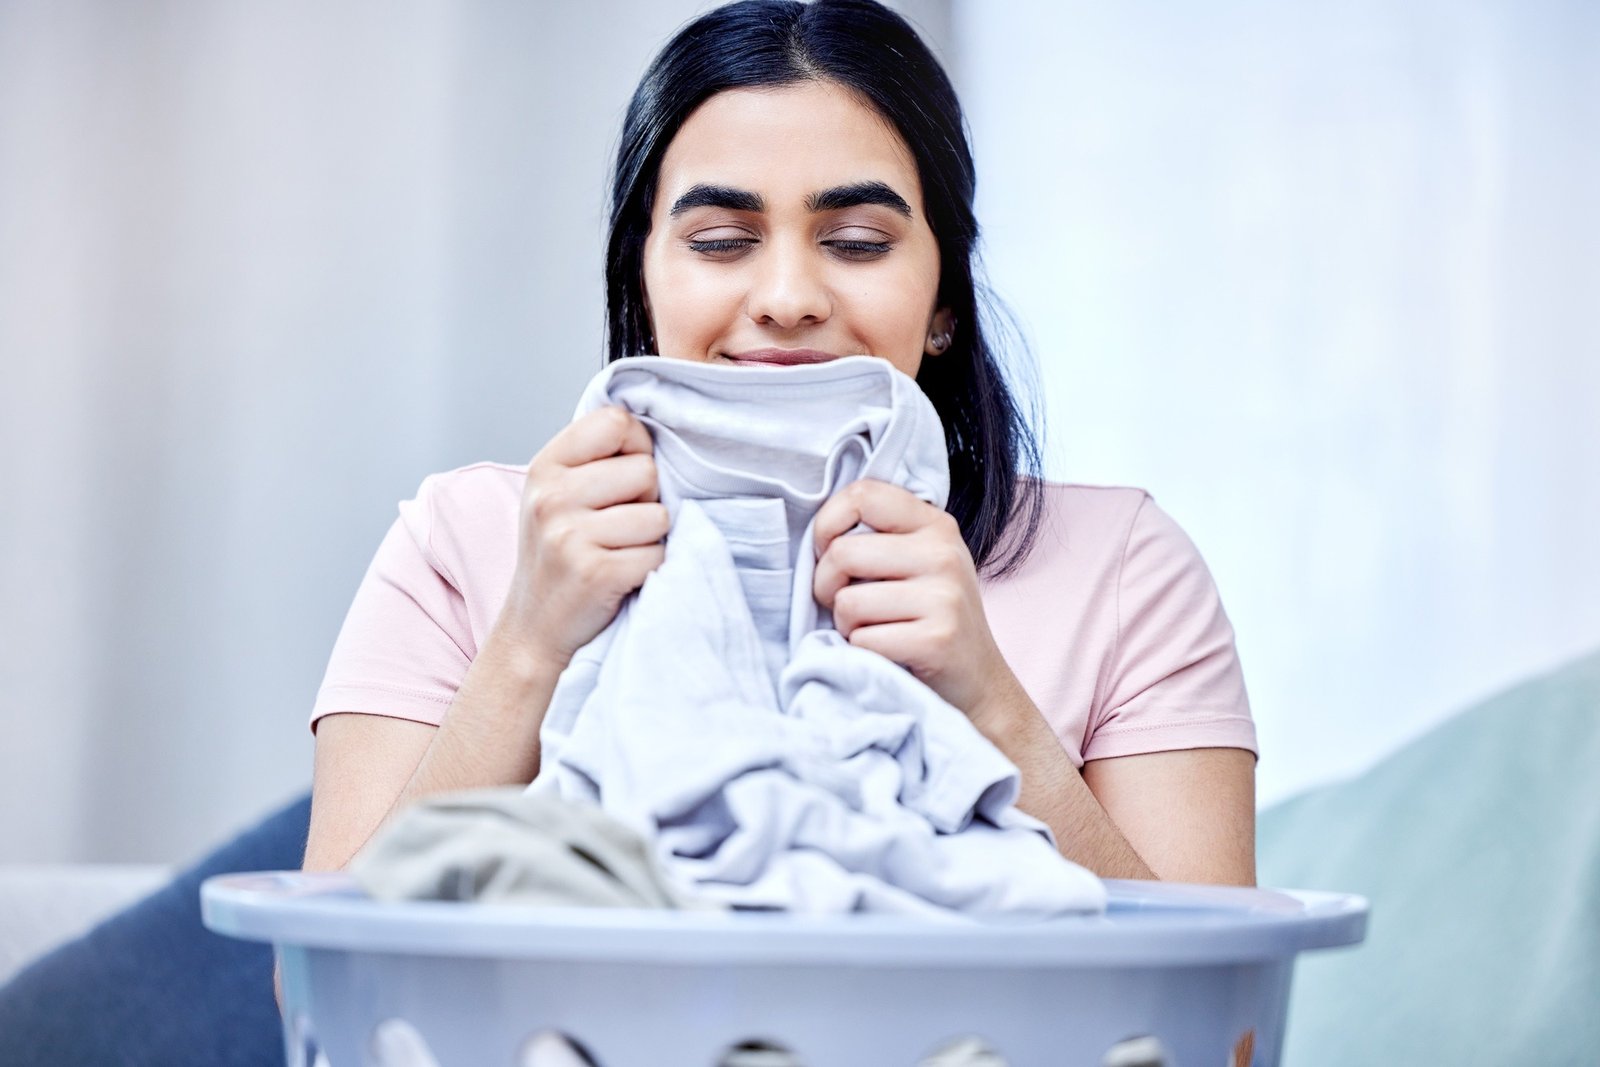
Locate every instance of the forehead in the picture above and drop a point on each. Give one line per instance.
(785, 143)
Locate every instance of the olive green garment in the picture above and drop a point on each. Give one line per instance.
(506, 846)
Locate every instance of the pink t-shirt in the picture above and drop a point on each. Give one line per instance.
(1113, 624)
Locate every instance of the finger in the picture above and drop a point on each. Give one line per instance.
(608, 431)
(628, 525)
(869, 557)
(884, 507)
(601, 483)
(872, 603)
(631, 566)
(637, 438)
(903, 642)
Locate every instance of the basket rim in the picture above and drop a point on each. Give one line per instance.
(1145, 924)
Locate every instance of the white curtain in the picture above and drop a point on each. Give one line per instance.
(1325, 279)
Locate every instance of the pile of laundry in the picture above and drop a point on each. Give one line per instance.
(719, 744)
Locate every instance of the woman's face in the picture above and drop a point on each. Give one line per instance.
(788, 227)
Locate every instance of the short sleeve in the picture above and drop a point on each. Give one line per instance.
(1175, 680)
(403, 649)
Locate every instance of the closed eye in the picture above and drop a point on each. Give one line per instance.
(721, 246)
(730, 247)
(859, 250)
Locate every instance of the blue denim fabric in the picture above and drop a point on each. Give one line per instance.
(151, 986)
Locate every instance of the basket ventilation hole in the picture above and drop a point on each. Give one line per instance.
(968, 1051)
(396, 1043)
(1144, 1051)
(759, 1053)
(303, 1051)
(551, 1048)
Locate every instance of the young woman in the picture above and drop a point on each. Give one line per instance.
(793, 184)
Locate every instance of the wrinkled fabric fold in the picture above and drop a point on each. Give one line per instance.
(771, 763)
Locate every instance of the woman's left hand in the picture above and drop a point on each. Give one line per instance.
(908, 589)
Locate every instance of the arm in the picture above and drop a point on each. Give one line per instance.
(370, 766)
(1191, 812)
(1183, 816)
(590, 531)
(910, 592)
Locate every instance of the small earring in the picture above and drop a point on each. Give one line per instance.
(939, 342)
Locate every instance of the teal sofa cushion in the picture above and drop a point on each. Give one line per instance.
(1479, 847)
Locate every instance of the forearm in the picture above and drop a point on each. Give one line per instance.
(369, 767)
(490, 735)
(1053, 790)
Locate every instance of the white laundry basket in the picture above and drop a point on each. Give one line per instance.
(1203, 971)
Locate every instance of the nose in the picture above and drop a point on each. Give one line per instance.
(787, 287)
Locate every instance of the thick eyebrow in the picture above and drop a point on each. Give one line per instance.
(835, 199)
(843, 196)
(717, 196)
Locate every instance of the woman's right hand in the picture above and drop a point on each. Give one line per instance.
(591, 531)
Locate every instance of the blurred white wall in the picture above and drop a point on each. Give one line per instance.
(262, 268)
(1325, 278)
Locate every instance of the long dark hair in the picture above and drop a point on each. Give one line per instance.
(995, 484)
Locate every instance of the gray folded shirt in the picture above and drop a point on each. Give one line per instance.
(508, 846)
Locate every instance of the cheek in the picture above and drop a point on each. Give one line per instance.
(688, 310)
(893, 315)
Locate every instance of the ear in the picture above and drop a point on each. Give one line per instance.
(941, 331)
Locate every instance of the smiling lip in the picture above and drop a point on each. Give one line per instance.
(782, 357)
